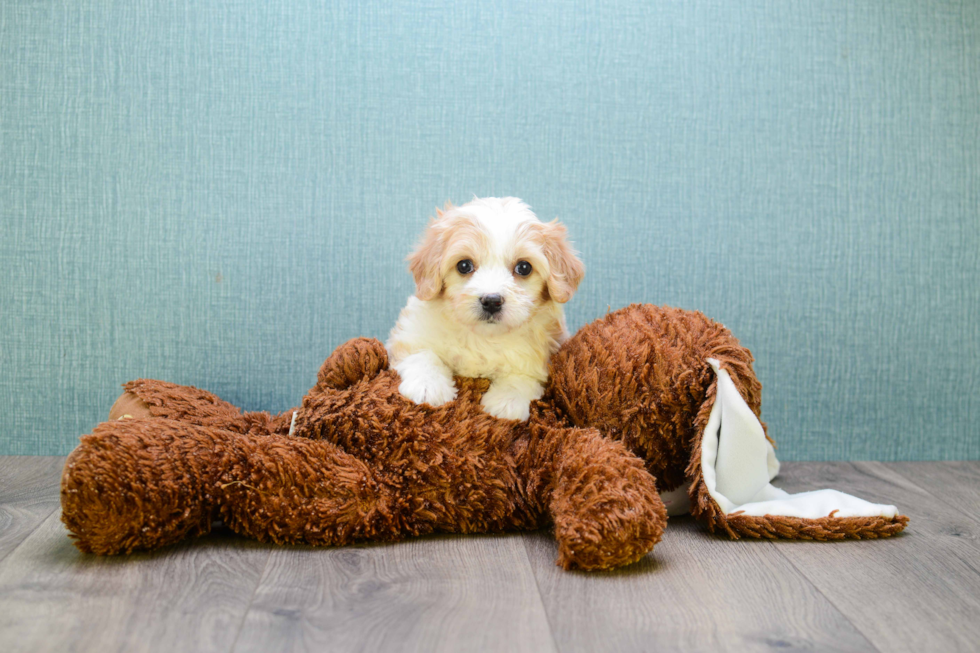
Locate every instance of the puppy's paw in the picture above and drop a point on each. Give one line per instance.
(506, 407)
(510, 398)
(425, 379)
(432, 389)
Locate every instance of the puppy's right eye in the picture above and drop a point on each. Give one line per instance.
(465, 266)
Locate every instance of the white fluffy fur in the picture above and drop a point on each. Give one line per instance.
(443, 330)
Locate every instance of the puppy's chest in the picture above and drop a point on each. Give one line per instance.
(488, 359)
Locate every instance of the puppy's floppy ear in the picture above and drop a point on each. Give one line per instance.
(425, 261)
(566, 268)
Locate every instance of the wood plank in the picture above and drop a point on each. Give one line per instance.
(29, 493)
(917, 591)
(447, 593)
(694, 592)
(191, 597)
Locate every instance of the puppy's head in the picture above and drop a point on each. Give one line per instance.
(494, 263)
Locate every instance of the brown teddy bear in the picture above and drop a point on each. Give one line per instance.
(630, 400)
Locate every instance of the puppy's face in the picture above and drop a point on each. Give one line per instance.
(494, 263)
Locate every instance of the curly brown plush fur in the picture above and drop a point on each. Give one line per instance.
(641, 375)
(364, 463)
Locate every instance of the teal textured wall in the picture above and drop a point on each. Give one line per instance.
(219, 192)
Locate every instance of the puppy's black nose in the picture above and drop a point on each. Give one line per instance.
(492, 303)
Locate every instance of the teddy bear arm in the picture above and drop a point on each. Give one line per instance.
(353, 361)
(360, 359)
(141, 483)
(603, 503)
(298, 491)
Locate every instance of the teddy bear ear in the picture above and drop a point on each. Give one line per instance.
(567, 270)
(738, 461)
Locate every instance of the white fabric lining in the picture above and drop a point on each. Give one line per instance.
(737, 463)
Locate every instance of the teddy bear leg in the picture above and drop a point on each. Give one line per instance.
(190, 405)
(604, 504)
(150, 398)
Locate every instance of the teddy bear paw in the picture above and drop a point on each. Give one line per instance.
(607, 542)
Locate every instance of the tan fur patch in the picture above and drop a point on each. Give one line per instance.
(566, 270)
(444, 238)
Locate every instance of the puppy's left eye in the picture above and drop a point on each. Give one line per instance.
(522, 269)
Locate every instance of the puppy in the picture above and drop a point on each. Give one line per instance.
(490, 281)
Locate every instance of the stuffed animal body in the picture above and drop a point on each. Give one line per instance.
(624, 417)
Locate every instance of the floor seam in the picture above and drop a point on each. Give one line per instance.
(537, 587)
(251, 601)
(830, 601)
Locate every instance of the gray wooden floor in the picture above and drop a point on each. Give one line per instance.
(916, 592)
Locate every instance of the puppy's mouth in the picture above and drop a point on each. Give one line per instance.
(491, 318)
